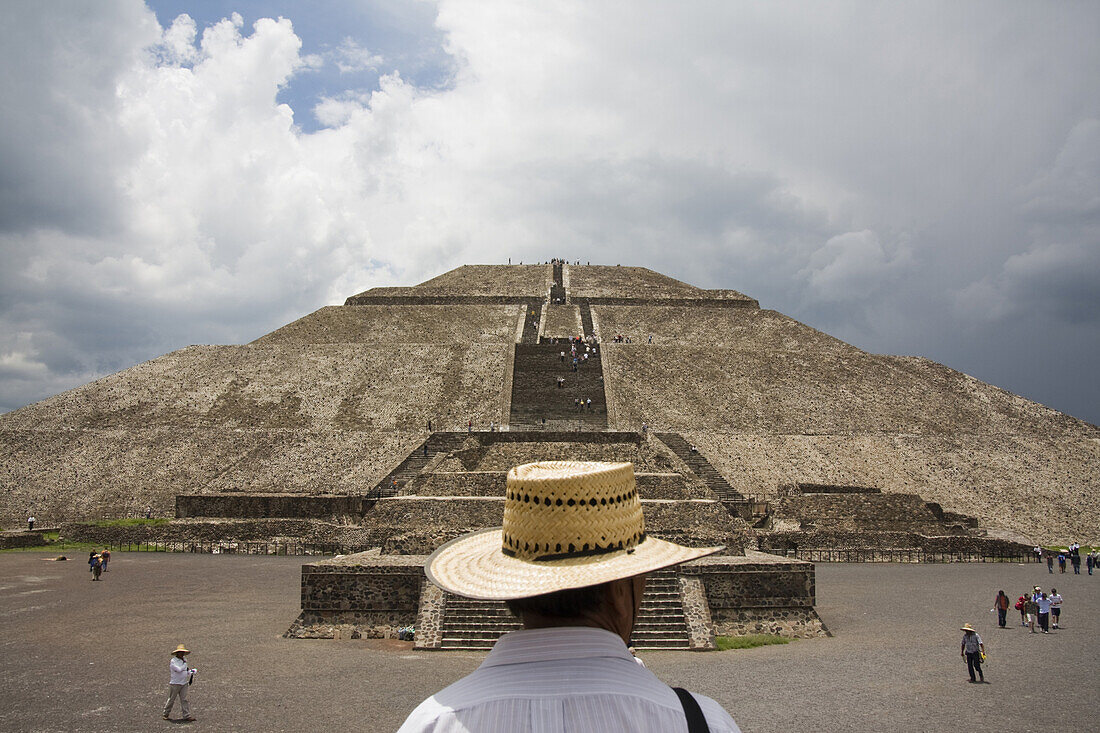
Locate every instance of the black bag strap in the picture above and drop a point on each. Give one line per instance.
(696, 722)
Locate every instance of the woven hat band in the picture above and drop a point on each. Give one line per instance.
(564, 509)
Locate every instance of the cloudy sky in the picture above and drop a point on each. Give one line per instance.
(915, 178)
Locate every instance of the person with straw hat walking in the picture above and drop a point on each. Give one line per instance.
(180, 678)
(973, 649)
(570, 561)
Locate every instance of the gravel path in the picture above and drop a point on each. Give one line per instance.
(83, 656)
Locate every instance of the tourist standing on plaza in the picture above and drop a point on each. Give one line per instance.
(1075, 560)
(1050, 563)
(972, 650)
(95, 563)
(105, 557)
(570, 561)
(1061, 561)
(1021, 606)
(180, 677)
(1001, 604)
(1090, 561)
(1055, 606)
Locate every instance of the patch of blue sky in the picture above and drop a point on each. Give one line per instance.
(358, 42)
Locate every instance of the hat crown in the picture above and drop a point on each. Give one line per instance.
(563, 509)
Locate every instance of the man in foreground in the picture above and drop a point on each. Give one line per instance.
(570, 561)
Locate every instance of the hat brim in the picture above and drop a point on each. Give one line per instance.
(473, 566)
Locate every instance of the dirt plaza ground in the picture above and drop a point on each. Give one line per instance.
(82, 656)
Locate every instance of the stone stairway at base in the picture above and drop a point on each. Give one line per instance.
(661, 623)
(536, 396)
(701, 467)
(414, 463)
(476, 625)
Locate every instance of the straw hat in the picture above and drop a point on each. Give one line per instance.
(967, 627)
(182, 648)
(567, 524)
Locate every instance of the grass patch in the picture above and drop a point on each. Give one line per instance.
(131, 522)
(749, 641)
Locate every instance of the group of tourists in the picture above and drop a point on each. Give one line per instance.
(1072, 555)
(97, 562)
(1036, 608)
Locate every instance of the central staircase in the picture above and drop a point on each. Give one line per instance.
(536, 396)
(470, 625)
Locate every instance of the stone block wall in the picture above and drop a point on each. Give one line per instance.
(494, 483)
(858, 510)
(372, 595)
(267, 506)
(306, 531)
(759, 594)
(782, 542)
(346, 597)
(459, 483)
(417, 525)
(12, 540)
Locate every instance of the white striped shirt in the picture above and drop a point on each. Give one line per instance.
(560, 680)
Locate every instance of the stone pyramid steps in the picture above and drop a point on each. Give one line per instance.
(701, 467)
(414, 463)
(535, 394)
(472, 625)
(661, 623)
(531, 316)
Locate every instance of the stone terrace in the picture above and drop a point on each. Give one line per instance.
(561, 321)
(398, 324)
(76, 474)
(532, 281)
(612, 281)
(1019, 486)
(313, 419)
(502, 456)
(339, 386)
(780, 391)
(740, 328)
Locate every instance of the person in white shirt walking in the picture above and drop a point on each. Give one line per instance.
(570, 561)
(178, 682)
(1055, 606)
(1044, 611)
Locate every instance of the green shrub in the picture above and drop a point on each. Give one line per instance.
(132, 522)
(748, 641)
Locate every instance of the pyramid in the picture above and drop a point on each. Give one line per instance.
(746, 406)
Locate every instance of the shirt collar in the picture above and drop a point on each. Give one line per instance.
(559, 642)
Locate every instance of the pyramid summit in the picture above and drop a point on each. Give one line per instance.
(751, 406)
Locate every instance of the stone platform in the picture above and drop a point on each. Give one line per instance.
(372, 595)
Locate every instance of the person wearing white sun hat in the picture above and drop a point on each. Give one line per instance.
(180, 676)
(570, 560)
